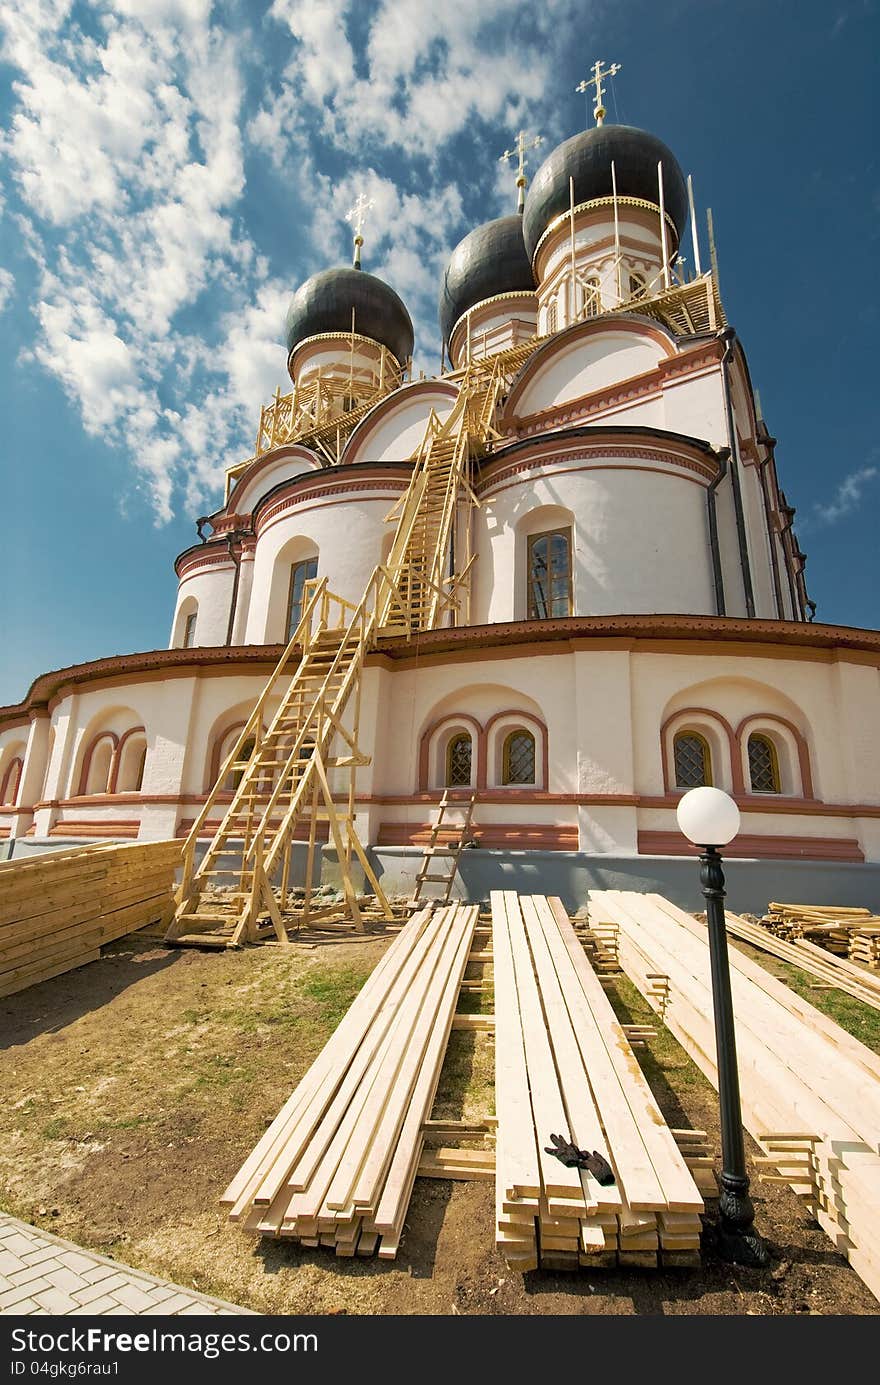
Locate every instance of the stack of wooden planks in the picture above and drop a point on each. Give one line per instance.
(58, 909)
(337, 1166)
(832, 926)
(810, 1091)
(564, 1066)
(825, 966)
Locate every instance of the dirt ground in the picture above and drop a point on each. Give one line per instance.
(135, 1087)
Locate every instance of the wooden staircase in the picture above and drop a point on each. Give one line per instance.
(454, 836)
(296, 777)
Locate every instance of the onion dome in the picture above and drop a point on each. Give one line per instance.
(326, 302)
(490, 260)
(587, 159)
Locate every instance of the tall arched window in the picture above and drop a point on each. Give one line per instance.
(300, 573)
(235, 776)
(518, 758)
(549, 575)
(11, 780)
(132, 759)
(592, 296)
(552, 316)
(693, 760)
(459, 756)
(763, 764)
(189, 630)
(98, 763)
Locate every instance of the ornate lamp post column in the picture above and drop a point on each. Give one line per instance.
(710, 819)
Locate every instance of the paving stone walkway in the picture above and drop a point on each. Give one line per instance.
(42, 1274)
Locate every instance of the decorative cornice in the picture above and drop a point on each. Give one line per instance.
(366, 480)
(598, 454)
(170, 663)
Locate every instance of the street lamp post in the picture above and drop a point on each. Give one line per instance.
(710, 819)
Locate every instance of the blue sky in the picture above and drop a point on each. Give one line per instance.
(173, 169)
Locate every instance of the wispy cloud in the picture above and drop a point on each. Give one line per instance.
(845, 498)
(133, 128)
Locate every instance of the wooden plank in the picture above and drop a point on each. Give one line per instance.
(517, 1154)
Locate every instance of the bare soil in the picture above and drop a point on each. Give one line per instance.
(135, 1087)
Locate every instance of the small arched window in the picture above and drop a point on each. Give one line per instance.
(592, 296)
(549, 575)
(98, 764)
(11, 781)
(235, 776)
(763, 765)
(189, 630)
(132, 759)
(459, 756)
(636, 284)
(693, 760)
(300, 573)
(552, 316)
(518, 758)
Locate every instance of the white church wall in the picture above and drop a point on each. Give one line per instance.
(640, 540)
(272, 472)
(346, 536)
(586, 364)
(208, 592)
(394, 432)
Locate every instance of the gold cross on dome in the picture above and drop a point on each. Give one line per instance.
(596, 81)
(521, 147)
(357, 215)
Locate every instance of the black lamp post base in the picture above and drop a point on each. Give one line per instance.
(736, 1239)
(741, 1247)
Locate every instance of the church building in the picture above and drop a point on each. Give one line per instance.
(621, 611)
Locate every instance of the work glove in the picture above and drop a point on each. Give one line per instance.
(574, 1158)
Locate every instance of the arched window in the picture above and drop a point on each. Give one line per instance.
(549, 575)
(459, 755)
(11, 780)
(132, 759)
(518, 758)
(98, 763)
(300, 573)
(552, 316)
(235, 776)
(592, 296)
(763, 764)
(636, 284)
(189, 630)
(693, 760)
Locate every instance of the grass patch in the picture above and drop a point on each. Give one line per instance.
(663, 1060)
(333, 990)
(56, 1129)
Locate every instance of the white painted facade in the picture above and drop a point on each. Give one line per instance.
(614, 431)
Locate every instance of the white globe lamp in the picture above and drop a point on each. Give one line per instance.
(708, 817)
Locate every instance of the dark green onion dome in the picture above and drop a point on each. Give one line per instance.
(587, 158)
(325, 303)
(490, 260)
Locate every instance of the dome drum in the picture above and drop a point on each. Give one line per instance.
(489, 263)
(585, 160)
(496, 323)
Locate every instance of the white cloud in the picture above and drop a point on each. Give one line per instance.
(845, 498)
(7, 288)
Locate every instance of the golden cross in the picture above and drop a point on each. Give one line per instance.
(519, 150)
(358, 215)
(596, 81)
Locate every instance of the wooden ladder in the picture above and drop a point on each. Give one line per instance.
(451, 846)
(296, 776)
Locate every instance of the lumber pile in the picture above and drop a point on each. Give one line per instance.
(825, 966)
(337, 1165)
(563, 1065)
(843, 931)
(810, 1091)
(57, 910)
